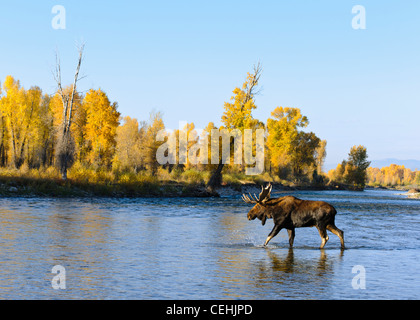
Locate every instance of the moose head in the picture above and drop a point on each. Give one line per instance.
(259, 211)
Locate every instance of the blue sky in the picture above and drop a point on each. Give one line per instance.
(184, 58)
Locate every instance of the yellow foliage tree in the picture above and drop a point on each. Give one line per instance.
(191, 135)
(4, 138)
(151, 145)
(102, 120)
(129, 153)
(19, 109)
(290, 147)
(238, 115)
(391, 176)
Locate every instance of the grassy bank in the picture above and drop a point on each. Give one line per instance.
(83, 182)
(87, 182)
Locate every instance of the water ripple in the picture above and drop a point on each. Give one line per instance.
(205, 249)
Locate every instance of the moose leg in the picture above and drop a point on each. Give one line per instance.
(323, 233)
(339, 233)
(273, 233)
(291, 237)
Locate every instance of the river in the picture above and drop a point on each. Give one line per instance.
(206, 249)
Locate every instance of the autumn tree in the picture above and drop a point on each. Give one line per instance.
(337, 174)
(238, 115)
(207, 139)
(283, 130)
(25, 125)
(151, 144)
(357, 166)
(392, 175)
(129, 153)
(102, 120)
(19, 109)
(189, 134)
(4, 141)
(79, 130)
(354, 170)
(292, 150)
(4, 138)
(238, 112)
(46, 133)
(39, 128)
(321, 154)
(303, 156)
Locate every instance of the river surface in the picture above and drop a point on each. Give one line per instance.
(206, 249)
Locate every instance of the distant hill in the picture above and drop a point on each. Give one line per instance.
(411, 164)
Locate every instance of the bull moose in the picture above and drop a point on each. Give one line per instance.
(291, 213)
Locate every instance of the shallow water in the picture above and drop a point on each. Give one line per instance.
(206, 249)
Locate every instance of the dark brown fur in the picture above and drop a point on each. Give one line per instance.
(291, 213)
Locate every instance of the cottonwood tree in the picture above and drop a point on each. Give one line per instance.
(33, 134)
(352, 171)
(65, 149)
(25, 125)
(292, 149)
(191, 139)
(356, 168)
(102, 121)
(283, 131)
(151, 144)
(20, 112)
(129, 149)
(321, 154)
(12, 106)
(238, 116)
(46, 133)
(4, 139)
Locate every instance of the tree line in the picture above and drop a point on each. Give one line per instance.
(392, 176)
(39, 130)
(353, 171)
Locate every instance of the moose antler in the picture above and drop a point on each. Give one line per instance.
(263, 198)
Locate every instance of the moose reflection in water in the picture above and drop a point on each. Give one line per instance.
(291, 213)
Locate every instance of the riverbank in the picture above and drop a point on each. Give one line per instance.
(88, 183)
(412, 193)
(70, 189)
(148, 188)
(408, 191)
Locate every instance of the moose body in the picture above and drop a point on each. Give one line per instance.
(290, 213)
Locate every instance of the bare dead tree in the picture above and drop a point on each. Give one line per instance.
(66, 146)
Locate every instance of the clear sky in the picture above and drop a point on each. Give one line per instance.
(184, 58)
